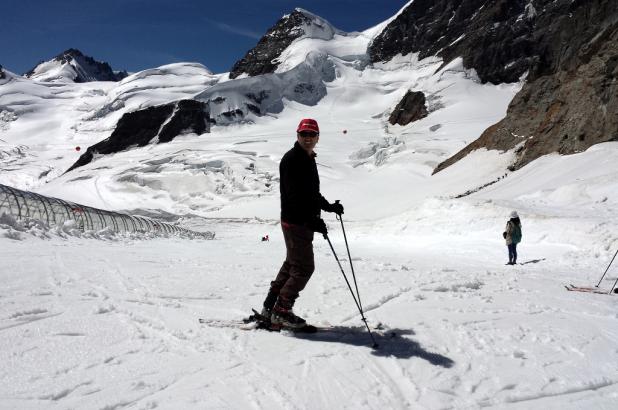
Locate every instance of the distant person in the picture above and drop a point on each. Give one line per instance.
(301, 203)
(512, 235)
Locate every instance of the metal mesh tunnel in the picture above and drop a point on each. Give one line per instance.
(53, 211)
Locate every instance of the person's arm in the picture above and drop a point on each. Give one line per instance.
(335, 207)
(324, 204)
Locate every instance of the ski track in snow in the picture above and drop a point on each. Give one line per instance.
(120, 330)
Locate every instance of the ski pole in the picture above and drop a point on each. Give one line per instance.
(350, 259)
(613, 287)
(610, 264)
(375, 345)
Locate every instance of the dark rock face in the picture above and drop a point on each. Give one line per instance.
(410, 108)
(493, 36)
(500, 39)
(570, 99)
(262, 58)
(567, 47)
(2, 75)
(87, 68)
(152, 125)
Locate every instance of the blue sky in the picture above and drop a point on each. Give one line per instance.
(139, 34)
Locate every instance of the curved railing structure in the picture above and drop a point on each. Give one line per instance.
(53, 211)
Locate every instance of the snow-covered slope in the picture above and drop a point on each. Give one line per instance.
(46, 122)
(107, 323)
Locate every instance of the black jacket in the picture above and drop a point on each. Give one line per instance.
(301, 200)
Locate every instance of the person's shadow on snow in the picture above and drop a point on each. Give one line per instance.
(391, 342)
(532, 261)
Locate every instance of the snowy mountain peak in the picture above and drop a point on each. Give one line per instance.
(264, 57)
(73, 66)
(317, 27)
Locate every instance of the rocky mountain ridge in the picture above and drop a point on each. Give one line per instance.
(263, 58)
(73, 66)
(565, 49)
(569, 101)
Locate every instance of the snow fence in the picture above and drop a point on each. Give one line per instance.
(54, 211)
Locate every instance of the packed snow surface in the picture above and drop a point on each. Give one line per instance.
(108, 321)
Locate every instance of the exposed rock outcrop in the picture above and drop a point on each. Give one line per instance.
(72, 65)
(500, 39)
(157, 124)
(566, 47)
(495, 37)
(262, 59)
(411, 108)
(2, 75)
(570, 101)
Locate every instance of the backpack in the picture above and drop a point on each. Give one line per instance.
(516, 235)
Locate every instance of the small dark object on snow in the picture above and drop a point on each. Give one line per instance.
(265, 238)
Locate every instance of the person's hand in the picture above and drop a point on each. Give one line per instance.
(318, 225)
(335, 207)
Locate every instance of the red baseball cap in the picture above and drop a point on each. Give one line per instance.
(308, 124)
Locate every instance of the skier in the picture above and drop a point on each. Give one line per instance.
(512, 235)
(301, 203)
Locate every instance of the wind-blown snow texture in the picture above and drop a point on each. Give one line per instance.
(106, 321)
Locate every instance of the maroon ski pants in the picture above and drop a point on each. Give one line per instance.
(298, 266)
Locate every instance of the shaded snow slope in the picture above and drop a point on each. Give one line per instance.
(243, 99)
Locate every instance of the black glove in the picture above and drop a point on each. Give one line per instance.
(335, 207)
(318, 225)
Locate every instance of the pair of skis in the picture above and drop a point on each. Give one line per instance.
(588, 289)
(257, 321)
(596, 289)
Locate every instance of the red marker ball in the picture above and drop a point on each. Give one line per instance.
(77, 148)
